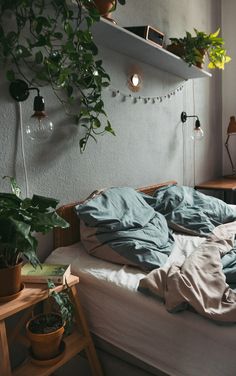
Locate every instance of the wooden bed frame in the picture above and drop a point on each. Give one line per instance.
(71, 235)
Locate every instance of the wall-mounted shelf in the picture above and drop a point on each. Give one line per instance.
(119, 39)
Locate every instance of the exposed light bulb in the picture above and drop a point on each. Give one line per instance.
(198, 133)
(39, 128)
(134, 82)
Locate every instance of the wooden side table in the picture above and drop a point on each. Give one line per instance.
(79, 340)
(223, 185)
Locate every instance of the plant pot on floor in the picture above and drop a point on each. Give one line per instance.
(10, 281)
(45, 333)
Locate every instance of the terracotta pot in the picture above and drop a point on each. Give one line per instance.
(104, 7)
(45, 346)
(10, 280)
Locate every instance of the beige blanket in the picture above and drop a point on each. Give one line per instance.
(198, 279)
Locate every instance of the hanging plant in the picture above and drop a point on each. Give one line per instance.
(50, 42)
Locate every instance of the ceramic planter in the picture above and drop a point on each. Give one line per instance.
(10, 281)
(44, 346)
(104, 7)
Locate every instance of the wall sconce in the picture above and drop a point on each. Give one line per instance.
(198, 133)
(231, 131)
(134, 82)
(40, 128)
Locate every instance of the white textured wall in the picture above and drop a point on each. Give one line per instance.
(150, 145)
(229, 80)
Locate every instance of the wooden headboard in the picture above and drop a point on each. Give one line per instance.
(71, 235)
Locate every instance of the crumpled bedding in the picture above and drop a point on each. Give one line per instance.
(198, 281)
(118, 225)
(189, 211)
(124, 226)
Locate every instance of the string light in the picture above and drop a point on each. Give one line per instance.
(152, 100)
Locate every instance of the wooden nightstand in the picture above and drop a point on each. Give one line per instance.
(79, 340)
(224, 185)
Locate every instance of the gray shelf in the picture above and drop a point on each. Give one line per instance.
(121, 40)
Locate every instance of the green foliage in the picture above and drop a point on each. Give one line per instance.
(50, 42)
(194, 47)
(20, 219)
(64, 305)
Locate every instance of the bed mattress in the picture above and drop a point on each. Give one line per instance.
(182, 344)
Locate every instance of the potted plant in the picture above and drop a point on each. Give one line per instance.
(51, 43)
(193, 49)
(45, 331)
(20, 220)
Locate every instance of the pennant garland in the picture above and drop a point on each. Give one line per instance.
(138, 98)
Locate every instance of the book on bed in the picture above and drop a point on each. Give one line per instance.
(57, 273)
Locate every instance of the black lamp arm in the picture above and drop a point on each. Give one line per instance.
(35, 88)
(184, 117)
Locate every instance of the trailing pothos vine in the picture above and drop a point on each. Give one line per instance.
(50, 42)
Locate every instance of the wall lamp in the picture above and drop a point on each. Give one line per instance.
(198, 133)
(134, 82)
(231, 131)
(39, 128)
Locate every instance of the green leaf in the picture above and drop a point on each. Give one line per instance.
(44, 222)
(109, 128)
(96, 123)
(10, 75)
(14, 187)
(99, 106)
(38, 57)
(68, 29)
(105, 84)
(214, 35)
(44, 203)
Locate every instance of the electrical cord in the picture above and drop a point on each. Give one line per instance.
(23, 151)
(183, 139)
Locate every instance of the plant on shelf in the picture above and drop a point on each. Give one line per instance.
(20, 220)
(193, 49)
(45, 331)
(51, 43)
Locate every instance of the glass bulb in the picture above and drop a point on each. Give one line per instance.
(198, 133)
(40, 128)
(135, 80)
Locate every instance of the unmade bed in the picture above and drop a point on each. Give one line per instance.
(183, 343)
